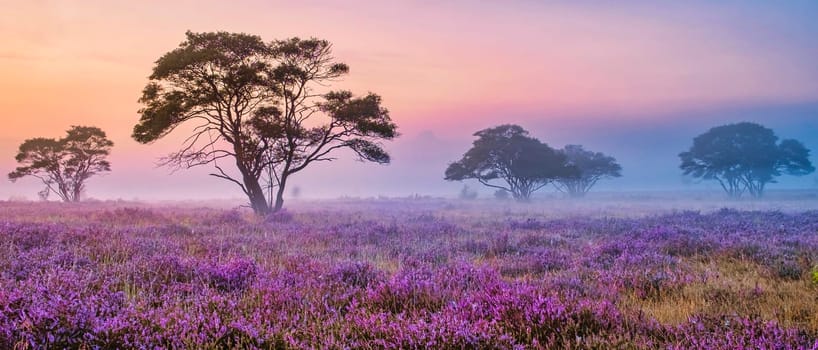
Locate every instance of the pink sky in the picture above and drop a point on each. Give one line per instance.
(453, 68)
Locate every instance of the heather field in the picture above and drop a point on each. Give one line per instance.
(412, 274)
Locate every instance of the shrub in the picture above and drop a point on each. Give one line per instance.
(235, 275)
(356, 274)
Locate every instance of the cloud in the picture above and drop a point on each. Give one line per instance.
(18, 56)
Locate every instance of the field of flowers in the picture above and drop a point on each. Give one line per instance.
(400, 274)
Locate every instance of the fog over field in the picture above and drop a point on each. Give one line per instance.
(647, 150)
(635, 81)
(408, 174)
(411, 273)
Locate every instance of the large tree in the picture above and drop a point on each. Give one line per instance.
(65, 164)
(307, 126)
(507, 158)
(257, 104)
(592, 166)
(744, 157)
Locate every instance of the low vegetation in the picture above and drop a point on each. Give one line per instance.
(421, 275)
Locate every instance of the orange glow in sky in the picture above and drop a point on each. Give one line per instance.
(449, 66)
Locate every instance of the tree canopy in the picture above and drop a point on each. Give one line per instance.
(744, 157)
(65, 164)
(309, 126)
(592, 166)
(263, 106)
(507, 153)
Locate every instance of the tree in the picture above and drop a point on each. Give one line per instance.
(217, 80)
(467, 193)
(64, 165)
(509, 154)
(744, 157)
(310, 126)
(254, 103)
(592, 166)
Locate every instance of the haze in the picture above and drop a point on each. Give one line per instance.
(636, 80)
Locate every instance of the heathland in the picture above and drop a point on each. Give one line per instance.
(642, 273)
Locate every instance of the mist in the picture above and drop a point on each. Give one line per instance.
(646, 146)
(409, 174)
(635, 81)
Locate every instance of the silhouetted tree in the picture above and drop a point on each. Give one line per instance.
(256, 105)
(308, 127)
(65, 164)
(744, 157)
(592, 166)
(509, 154)
(467, 193)
(295, 192)
(218, 80)
(501, 194)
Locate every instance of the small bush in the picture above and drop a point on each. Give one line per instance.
(235, 275)
(788, 269)
(500, 245)
(357, 274)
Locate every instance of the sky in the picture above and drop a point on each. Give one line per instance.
(634, 79)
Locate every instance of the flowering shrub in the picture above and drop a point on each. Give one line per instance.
(394, 277)
(356, 274)
(235, 275)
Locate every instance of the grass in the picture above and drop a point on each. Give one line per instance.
(399, 274)
(736, 287)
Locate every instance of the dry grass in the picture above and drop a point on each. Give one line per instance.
(737, 287)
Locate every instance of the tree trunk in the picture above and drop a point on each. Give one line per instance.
(733, 188)
(756, 188)
(255, 193)
(256, 196)
(576, 188)
(76, 193)
(522, 195)
(280, 194)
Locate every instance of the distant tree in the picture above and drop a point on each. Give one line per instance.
(744, 157)
(65, 164)
(295, 192)
(501, 194)
(467, 193)
(507, 153)
(256, 106)
(592, 166)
